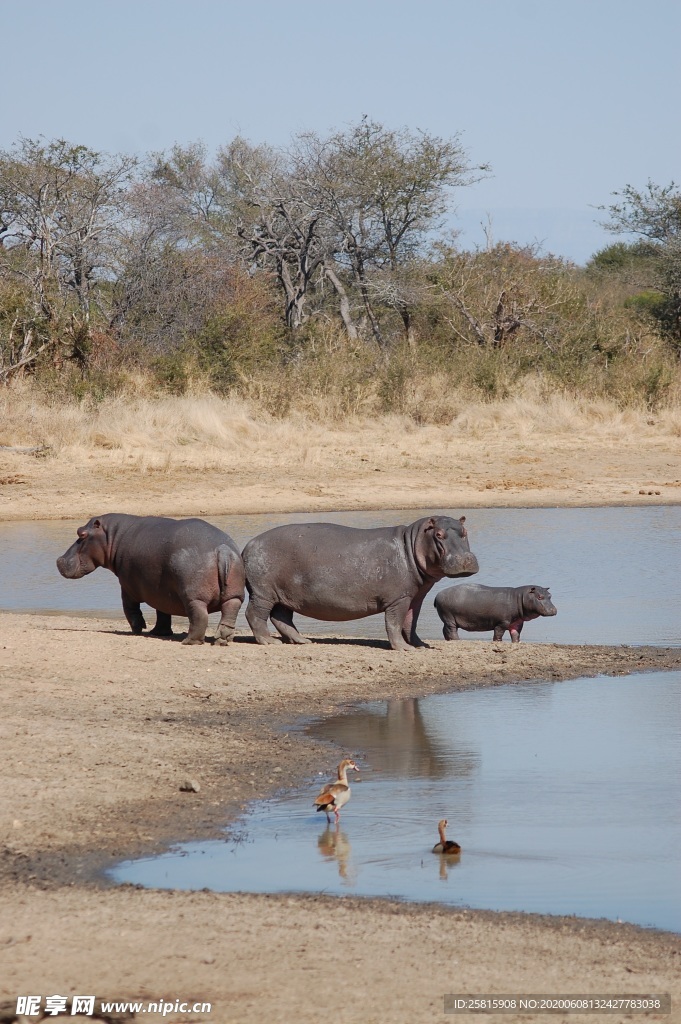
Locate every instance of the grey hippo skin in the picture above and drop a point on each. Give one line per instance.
(338, 573)
(178, 566)
(477, 609)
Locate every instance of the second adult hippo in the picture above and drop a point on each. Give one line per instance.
(476, 608)
(337, 573)
(178, 566)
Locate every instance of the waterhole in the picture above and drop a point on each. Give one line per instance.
(614, 572)
(563, 797)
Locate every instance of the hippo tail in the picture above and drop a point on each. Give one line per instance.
(231, 575)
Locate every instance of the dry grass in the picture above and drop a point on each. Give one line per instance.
(202, 429)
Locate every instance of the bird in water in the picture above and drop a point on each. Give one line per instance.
(445, 845)
(336, 794)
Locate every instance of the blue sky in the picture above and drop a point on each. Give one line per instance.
(568, 100)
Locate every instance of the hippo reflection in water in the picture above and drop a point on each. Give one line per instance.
(337, 573)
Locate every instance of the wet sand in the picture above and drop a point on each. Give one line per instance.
(99, 731)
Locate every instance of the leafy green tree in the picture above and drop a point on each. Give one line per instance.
(654, 213)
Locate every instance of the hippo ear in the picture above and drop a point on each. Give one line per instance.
(97, 524)
(462, 519)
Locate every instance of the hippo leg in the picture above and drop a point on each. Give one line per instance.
(450, 630)
(409, 625)
(227, 624)
(133, 613)
(257, 614)
(163, 625)
(515, 629)
(498, 633)
(282, 620)
(394, 623)
(198, 622)
(232, 582)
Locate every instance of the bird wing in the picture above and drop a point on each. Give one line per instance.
(328, 795)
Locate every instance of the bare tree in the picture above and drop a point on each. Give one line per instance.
(382, 194)
(60, 207)
(172, 266)
(495, 296)
(277, 227)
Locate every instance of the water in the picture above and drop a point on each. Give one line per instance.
(564, 797)
(614, 572)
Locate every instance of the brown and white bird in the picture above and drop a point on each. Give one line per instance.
(445, 845)
(336, 794)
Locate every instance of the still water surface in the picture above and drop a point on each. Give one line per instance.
(615, 573)
(564, 797)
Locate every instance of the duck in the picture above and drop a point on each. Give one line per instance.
(336, 794)
(445, 845)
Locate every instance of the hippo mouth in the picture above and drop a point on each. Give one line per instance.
(467, 565)
(72, 571)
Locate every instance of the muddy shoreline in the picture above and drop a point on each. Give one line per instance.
(101, 728)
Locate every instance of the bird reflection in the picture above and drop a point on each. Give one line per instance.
(447, 862)
(334, 844)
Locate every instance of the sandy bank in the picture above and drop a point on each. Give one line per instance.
(367, 466)
(98, 731)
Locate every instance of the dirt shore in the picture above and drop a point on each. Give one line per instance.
(356, 468)
(100, 729)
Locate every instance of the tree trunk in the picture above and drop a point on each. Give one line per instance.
(295, 298)
(358, 268)
(344, 302)
(405, 313)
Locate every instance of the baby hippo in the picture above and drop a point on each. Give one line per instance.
(476, 608)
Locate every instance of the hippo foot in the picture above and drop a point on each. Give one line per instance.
(191, 641)
(406, 648)
(295, 639)
(138, 629)
(267, 639)
(224, 635)
(160, 632)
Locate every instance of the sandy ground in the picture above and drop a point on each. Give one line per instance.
(100, 729)
(360, 469)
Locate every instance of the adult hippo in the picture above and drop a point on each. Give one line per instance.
(477, 608)
(178, 566)
(338, 573)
